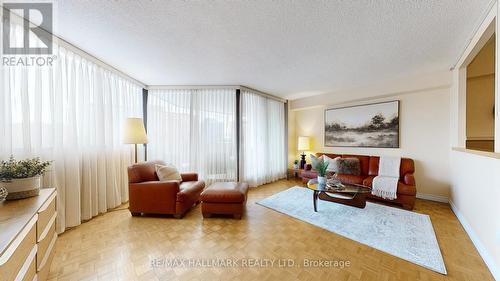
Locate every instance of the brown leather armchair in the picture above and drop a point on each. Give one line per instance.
(149, 195)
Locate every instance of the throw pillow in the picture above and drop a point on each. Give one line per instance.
(167, 172)
(315, 159)
(333, 165)
(349, 166)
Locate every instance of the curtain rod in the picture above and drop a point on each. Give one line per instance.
(263, 94)
(235, 87)
(172, 87)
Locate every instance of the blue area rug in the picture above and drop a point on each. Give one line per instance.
(404, 234)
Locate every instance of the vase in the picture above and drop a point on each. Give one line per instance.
(21, 188)
(321, 180)
(295, 166)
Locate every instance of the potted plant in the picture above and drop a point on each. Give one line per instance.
(296, 164)
(321, 167)
(22, 178)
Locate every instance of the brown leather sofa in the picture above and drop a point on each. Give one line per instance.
(148, 195)
(406, 192)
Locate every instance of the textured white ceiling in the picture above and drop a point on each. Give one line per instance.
(287, 48)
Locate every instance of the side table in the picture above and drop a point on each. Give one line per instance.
(293, 173)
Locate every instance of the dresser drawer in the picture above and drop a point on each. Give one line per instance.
(46, 214)
(30, 274)
(43, 270)
(44, 243)
(28, 270)
(14, 257)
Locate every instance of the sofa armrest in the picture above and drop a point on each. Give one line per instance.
(153, 196)
(409, 179)
(155, 188)
(190, 191)
(189, 177)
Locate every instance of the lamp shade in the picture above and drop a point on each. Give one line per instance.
(134, 131)
(304, 143)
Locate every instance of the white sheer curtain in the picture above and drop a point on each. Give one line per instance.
(195, 130)
(262, 139)
(71, 113)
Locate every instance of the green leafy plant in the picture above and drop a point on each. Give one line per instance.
(27, 168)
(321, 167)
(296, 162)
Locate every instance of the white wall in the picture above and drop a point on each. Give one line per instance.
(424, 131)
(432, 122)
(475, 178)
(475, 198)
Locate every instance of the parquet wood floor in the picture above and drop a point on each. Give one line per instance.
(116, 246)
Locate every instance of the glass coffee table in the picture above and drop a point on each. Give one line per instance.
(351, 194)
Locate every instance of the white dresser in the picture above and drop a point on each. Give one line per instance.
(28, 236)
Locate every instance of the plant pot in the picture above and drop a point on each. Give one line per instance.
(22, 188)
(295, 166)
(321, 180)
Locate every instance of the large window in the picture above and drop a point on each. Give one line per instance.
(72, 114)
(263, 149)
(195, 130)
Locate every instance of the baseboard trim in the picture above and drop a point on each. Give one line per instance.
(483, 252)
(432, 197)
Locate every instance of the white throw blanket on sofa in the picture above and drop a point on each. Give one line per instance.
(385, 185)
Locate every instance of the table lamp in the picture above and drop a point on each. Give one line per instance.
(303, 145)
(135, 133)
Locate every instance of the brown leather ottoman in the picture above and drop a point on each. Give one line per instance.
(226, 198)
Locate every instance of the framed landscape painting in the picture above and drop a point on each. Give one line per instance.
(370, 125)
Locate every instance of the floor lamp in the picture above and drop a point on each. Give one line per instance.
(135, 133)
